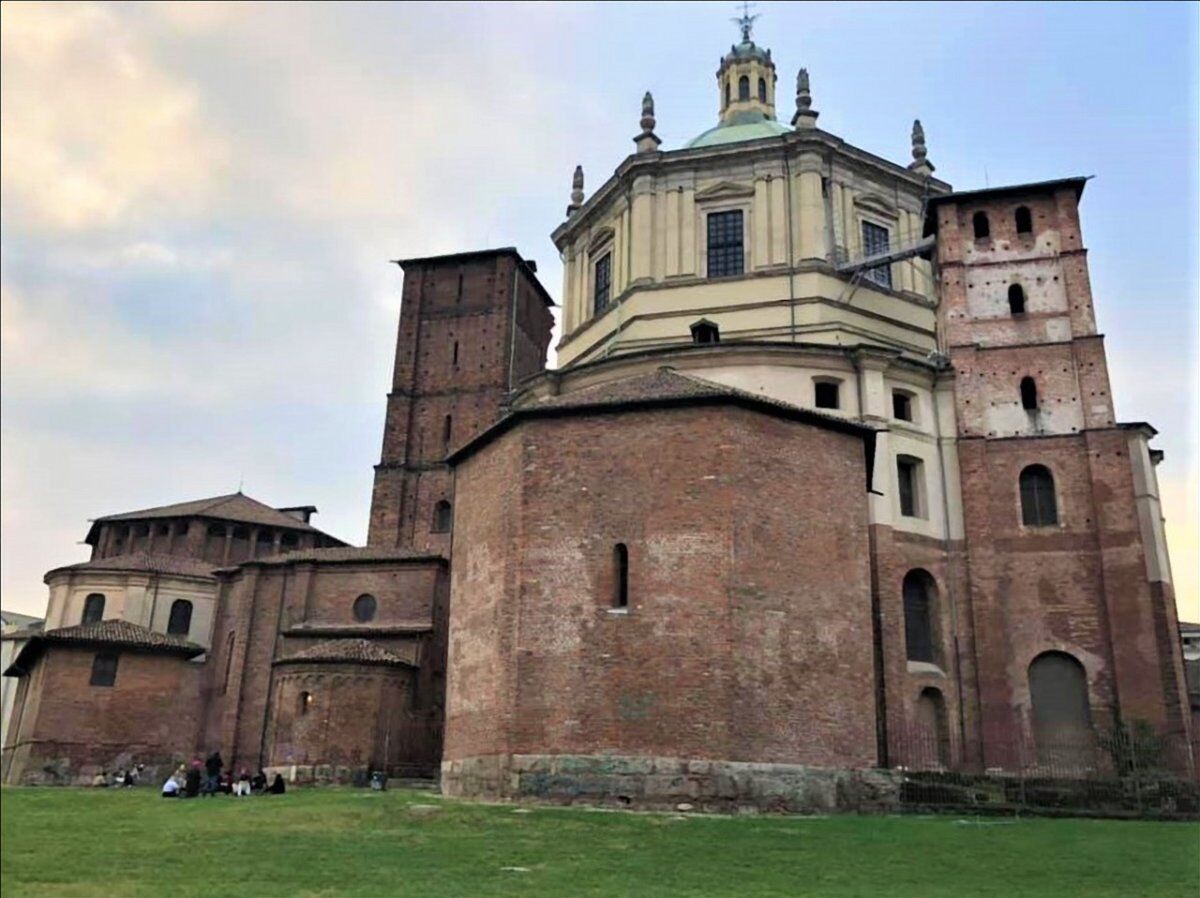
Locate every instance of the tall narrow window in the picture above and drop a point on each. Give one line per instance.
(93, 609)
(875, 243)
(1039, 508)
(442, 517)
(1016, 299)
(458, 294)
(727, 94)
(455, 359)
(180, 621)
(726, 253)
(743, 88)
(910, 487)
(228, 662)
(1024, 220)
(304, 702)
(919, 591)
(104, 669)
(621, 572)
(825, 394)
(1029, 397)
(602, 290)
(762, 90)
(447, 427)
(983, 228)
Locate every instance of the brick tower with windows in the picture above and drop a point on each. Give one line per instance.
(472, 326)
(1071, 609)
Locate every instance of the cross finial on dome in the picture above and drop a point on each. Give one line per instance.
(745, 21)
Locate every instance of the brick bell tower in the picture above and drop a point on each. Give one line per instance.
(472, 326)
(1068, 566)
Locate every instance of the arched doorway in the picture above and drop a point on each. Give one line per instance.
(1062, 716)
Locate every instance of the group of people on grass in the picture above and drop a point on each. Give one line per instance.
(211, 778)
(115, 779)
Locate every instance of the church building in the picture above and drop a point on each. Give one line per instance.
(827, 483)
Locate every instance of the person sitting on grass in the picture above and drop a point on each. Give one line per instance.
(225, 786)
(258, 782)
(277, 786)
(100, 780)
(242, 786)
(170, 788)
(192, 780)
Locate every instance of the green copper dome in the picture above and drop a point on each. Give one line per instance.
(735, 133)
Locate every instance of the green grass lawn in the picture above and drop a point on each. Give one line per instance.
(326, 842)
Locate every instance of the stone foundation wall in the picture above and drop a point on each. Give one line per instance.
(668, 783)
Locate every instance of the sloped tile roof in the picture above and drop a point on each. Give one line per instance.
(139, 562)
(233, 507)
(115, 633)
(348, 651)
(345, 554)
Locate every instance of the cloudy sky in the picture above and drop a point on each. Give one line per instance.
(199, 202)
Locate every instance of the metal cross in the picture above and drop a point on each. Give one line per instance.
(745, 21)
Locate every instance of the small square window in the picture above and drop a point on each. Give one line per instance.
(825, 394)
(902, 409)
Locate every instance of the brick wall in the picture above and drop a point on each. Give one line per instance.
(464, 341)
(747, 632)
(69, 730)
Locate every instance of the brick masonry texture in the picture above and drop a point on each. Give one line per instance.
(744, 635)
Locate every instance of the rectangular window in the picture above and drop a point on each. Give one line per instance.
(603, 283)
(825, 394)
(875, 242)
(901, 406)
(726, 253)
(104, 669)
(908, 481)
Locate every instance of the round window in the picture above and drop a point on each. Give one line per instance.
(364, 608)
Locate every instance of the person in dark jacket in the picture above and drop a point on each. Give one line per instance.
(191, 781)
(258, 782)
(277, 785)
(212, 770)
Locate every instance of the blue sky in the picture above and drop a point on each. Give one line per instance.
(199, 201)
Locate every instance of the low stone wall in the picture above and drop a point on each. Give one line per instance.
(669, 783)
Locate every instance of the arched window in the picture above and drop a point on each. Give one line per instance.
(93, 609)
(762, 90)
(443, 517)
(304, 702)
(983, 229)
(1016, 299)
(621, 578)
(1024, 220)
(727, 93)
(919, 630)
(180, 621)
(364, 608)
(1038, 505)
(1062, 717)
(933, 736)
(743, 88)
(1029, 399)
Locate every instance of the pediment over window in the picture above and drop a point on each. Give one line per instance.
(725, 190)
(875, 204)
(601, 237)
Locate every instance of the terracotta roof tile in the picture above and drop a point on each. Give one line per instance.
(233, 507)
(350, 651)
(117, 633)
(348, 554)
(145, 562)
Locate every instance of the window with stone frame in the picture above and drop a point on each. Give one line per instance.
(726, 244)
(920, 640)
(876, 241)
(602, 283)
(180, 621)
(827, 394)
(443, 517)
(902, 405)
(93, 609)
